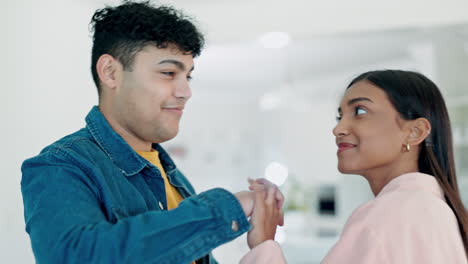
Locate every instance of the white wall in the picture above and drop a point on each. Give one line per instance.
(47, 89)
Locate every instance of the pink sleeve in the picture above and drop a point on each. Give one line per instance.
(269, 252)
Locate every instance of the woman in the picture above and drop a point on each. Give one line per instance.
(394, 130)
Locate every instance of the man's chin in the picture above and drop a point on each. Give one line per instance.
(166, 136)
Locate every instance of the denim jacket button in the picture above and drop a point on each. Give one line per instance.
(234, 226)
(161, 206)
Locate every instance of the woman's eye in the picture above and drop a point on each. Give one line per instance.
(338, 118)
(189, 78)
(360, 111)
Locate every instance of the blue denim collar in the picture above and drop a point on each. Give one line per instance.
(118, 150)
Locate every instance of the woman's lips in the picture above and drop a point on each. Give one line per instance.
(345, 146)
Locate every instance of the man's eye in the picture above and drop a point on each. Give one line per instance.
(359, 111)
(189, 78)
(338, 118)
(168, 73)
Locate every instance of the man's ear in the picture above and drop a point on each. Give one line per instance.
(108, 70)
(419, 130)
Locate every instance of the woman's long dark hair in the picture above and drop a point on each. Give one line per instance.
(413, 95)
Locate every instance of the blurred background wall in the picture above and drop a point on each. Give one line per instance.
(265, 92)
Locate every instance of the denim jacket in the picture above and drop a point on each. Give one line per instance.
(89, 198)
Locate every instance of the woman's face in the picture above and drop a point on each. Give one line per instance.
(369, 132)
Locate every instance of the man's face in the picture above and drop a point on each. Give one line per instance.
(149, 100)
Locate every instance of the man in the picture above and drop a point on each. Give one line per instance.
(109, 193)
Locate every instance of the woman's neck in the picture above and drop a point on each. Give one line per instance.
(379, 177)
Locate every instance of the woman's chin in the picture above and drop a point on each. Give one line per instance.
(347, 170)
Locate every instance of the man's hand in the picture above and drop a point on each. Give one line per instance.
(246, 199)
(267, 184)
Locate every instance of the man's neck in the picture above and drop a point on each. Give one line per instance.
(135, 143)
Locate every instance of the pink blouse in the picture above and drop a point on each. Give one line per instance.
(408, 222)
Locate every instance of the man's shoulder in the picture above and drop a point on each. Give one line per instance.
(74, 145)
(74, 141)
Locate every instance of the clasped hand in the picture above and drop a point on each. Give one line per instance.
(263, 204)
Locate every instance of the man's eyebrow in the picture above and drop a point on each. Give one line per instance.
(355, 100)
(177, 63)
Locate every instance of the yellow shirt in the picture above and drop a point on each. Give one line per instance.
(173, 197)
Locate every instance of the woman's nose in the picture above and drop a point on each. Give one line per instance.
(340, 129)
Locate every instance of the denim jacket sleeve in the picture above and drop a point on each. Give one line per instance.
(66, 222)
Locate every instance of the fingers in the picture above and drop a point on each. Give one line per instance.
(251, 181)
(267, 184)
(259, 204)
(281, 218)
(260, 181)
(280, 199)
(271, 195)
(258, 214)
(257, 187)
(254, 185)
(274, 205)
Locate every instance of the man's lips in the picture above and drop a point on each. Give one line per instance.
(345, 146)
(175, 109)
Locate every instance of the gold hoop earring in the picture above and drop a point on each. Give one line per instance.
(408, 147)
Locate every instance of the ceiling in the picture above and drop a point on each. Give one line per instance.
(327, 38)
(226, 21)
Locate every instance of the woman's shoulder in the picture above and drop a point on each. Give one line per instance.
(407, 205)
(409, 214)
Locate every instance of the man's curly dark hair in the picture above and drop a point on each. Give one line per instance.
(124, 30)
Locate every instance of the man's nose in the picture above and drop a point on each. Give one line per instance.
(183, 90)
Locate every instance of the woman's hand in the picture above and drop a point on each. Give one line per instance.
(267, 213)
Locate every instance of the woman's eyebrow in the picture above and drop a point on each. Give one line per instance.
(355, 100)
(359, 99)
